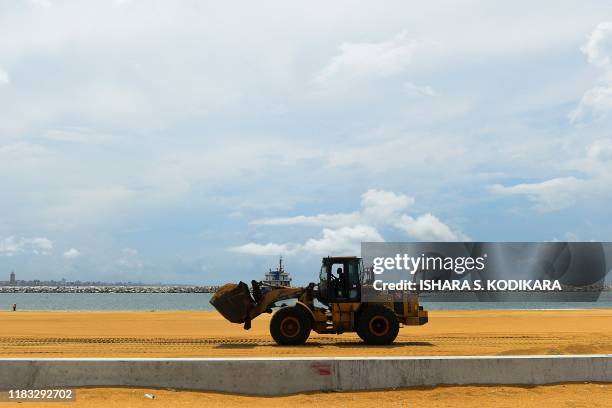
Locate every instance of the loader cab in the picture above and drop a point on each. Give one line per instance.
(340, 279)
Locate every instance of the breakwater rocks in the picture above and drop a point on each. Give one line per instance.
(108, 289)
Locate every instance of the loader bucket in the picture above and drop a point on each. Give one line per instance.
(233, 302)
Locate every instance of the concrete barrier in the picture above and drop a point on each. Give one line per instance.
(266, 376)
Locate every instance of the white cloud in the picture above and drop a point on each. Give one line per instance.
(89, 204)
(328, 220)
(226, 161)
(593, 162)
(10, 246)
(72, 253)
(20, 158)
(130, 251)
(345, 240)
(571, 237)
(598, 47)
(4, 77)
(264, 249)
(422, 155)
(377, 207)
(553, 194)
(600, 150)
(596, 165)
(344, 232)
(129, 260)
(40, 243)
(357, 61)
(428, 227)
(419, 90)
(597, 101)
(43, 3)
(76, 135)
(382, 207)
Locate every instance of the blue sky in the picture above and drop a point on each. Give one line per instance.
(194, 141)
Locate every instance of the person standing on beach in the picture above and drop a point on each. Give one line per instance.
(14, 307)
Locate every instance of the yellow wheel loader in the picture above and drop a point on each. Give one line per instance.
(333, 306)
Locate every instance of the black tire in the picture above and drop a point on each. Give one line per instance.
(377, 325)
(290, 326)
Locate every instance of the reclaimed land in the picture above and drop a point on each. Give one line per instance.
(207, 334)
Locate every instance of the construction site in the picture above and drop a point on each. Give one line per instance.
(271, 339)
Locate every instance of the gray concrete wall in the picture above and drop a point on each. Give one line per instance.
(265, 376)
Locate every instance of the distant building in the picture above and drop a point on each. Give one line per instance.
(12, 280)
(278, 277)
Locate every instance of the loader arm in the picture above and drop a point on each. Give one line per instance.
(273, 296)
(236, 304)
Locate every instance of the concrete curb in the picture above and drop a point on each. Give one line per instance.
(266, 376)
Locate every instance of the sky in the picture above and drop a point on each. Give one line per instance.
(195, 142)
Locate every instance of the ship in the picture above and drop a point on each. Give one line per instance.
(277, 277)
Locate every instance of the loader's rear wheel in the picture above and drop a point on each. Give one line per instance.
(378, 325)
(290, 326)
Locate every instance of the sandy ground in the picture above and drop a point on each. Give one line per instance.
(202, 334)
(562, 395)
(184, 334)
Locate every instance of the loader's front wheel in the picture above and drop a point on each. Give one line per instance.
(290, 326)
(378, 325)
